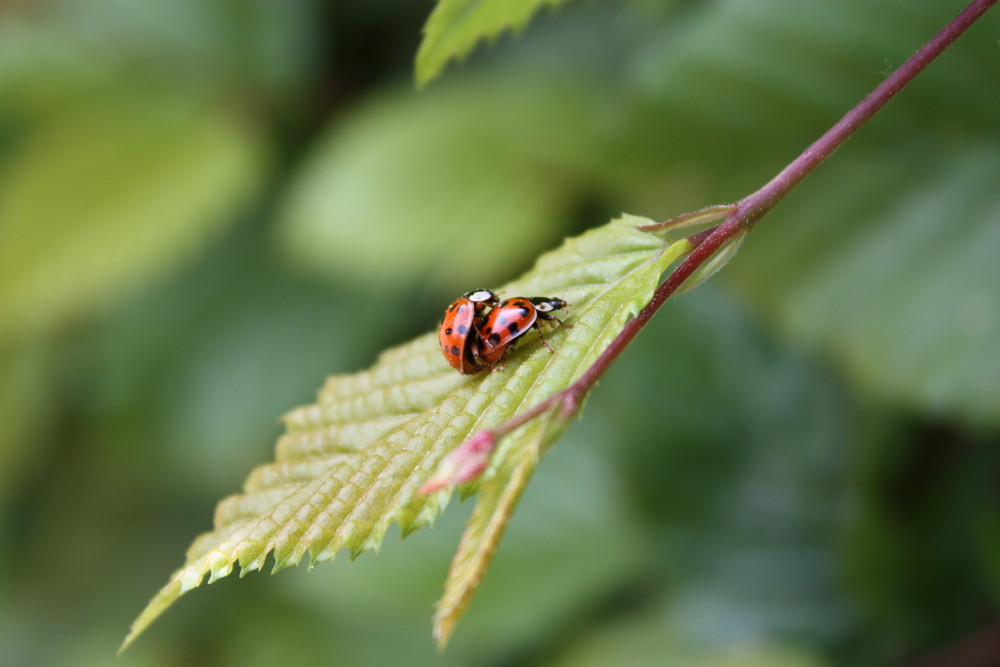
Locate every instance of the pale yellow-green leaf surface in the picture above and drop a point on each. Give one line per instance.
(352, 463)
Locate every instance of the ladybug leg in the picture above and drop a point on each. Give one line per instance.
(542, 338)
(501, 363)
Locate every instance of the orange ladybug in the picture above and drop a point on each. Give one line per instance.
(459, 333)
(511, 319)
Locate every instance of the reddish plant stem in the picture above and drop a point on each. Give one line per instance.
(757, 204)
(701, 253)
(751, 208)
(741, 217)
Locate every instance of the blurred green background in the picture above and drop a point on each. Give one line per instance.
(207, 206)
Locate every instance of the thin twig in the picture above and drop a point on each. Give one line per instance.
(469, 459)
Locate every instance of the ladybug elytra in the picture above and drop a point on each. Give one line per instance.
(459, 335)
(511, 319)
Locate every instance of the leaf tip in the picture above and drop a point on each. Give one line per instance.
(179, 584)
(444, 626)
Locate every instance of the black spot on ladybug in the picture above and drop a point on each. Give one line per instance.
(502, 320)
(461, 329)
(447, 331)
(513, 328)
(461, 309)
(494, 338)
(455, 350)
(524, 311)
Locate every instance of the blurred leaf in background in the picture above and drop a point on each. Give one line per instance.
(475, 170)
(207, 207)
(100, 200)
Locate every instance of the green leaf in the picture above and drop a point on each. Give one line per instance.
(659, 638)
(351, 464)
(537, 584)
(498, 496)
(41, 70)
(519, 454)
(408, 174)
(896, 281)
(456, 26)
(96, 202)
(57, 58)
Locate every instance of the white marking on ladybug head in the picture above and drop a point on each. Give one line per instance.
(481, 295)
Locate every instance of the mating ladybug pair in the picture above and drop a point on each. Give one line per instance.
(479, 330)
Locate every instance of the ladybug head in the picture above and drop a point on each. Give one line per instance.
(546, 304)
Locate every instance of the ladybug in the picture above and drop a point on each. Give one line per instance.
(511, 319)
(459, 333)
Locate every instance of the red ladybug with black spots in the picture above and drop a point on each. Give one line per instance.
(459, 333)
(511, 319)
